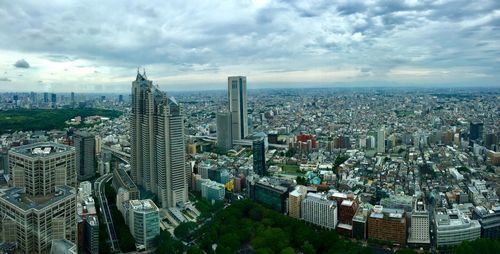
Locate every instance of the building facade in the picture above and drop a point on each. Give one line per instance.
(224, 136)
(85, 155)
(259, 157)
(453, 227)
(143, 220)
(318, 210)
(295, 201)
(158, 143)
(387, 225)
(237, 94)
(92, 234)
(212, 190)
(420, 227)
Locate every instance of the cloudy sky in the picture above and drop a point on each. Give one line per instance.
(98, 45)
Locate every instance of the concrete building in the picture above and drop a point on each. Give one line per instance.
(259, 157)
(122, 180)
(393, 223)
(237, 94)
(143, 220)
(381, 140)
(224, 136)
(32, 222)
(489, 220)
(269, 194)
(420, 229)
(85, 155)
(360, 223)
(212, 190)
(295, 201)
(92, 234)
(40, 167)
(318, 210)
(158, 143)
(453, 227)
(63, 246)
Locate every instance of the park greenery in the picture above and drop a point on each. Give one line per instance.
(46, 119)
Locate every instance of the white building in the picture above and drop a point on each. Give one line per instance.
(419, 231)
(318, 210)
(453, 227)
(212, 190)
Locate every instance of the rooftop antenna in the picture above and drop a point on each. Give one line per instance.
(144, 72)
(137, 70)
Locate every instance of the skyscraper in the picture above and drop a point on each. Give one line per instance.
(237, 93)
(476, 131)
(41, 206)
(158, 145)
(85, 155)
(224, 137)
(259, 157)
(381, 140)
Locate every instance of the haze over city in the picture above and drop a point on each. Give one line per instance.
(93, 46)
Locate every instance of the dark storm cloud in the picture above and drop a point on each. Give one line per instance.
(22, 64)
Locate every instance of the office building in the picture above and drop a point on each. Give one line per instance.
(92, 234)
(453, 227)
(46, 97)
(295, 201)
(122, 180)
(63, 246)
(212, 190)
(346, 211)
(360, 223)
(393, 223)
(318, 210)
(41, 206)
(224, 136)
(32, 222)
(489, 220)
(143, 220)
(259, 157)
(269, 194)
(476, 131)
(381, 141)
(237, 94)
(40, 167)
(85, 155)
(157, 142)
(419, 230)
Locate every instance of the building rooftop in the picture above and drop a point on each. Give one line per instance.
(17, 197)
(145, 205)
(43, 149)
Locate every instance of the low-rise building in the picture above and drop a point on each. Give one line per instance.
(212, 190)
(387, 224)
(453, 227)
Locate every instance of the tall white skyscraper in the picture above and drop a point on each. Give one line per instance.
(237, 93)
(158, 145)
(381, 140)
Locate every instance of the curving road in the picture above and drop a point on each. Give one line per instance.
(108, 220)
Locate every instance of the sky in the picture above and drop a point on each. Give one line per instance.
(97, 46)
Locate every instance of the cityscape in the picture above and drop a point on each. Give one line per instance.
(244, 153)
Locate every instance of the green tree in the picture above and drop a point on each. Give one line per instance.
(184, 230)
(193, 249)
(308, 248)
(288, 250)
(167, 244)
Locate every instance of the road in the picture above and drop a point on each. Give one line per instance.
(99, 189)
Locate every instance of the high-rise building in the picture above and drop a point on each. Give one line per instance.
(419, 231)
(158, 144)
(41, 206)
(224, 136)
(92, 234)
(237, 93)
(318, 210)
(381, 141)
(489, 220)
(359, 223)
(259, 157)
(85, 155)
(476, 131)
(46, 97)
(295, 201)
(143, 220)
(53, 99)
